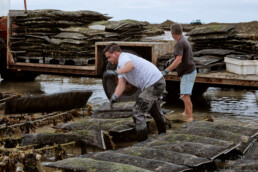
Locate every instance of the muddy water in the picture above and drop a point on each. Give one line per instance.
(229, 105)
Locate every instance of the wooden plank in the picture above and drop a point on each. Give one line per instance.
(58, 69)
(214, 67)
(205, 60)
(221, 78)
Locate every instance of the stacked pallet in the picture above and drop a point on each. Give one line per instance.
(213, 42)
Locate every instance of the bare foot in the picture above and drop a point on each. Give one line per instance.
(184, 114)
(189, 119)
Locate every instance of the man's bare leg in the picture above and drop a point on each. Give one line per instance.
(188, 107)
(181, 97)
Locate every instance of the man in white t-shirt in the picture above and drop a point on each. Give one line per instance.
(144, 75)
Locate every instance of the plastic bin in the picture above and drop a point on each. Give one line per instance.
(243, 67)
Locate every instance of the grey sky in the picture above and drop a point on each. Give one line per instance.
(156, 11)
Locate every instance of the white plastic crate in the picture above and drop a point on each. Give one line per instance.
(243, 67)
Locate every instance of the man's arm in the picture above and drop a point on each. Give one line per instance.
(119, 90)
(128, 67)
(120, 86)
(175, 63)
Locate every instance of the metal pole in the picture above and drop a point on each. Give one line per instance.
(25, 6)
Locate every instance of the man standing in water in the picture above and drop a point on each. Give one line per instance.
(144, 75)
(185, 68)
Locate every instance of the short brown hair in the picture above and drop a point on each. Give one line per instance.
(176, 29)
(111, 48)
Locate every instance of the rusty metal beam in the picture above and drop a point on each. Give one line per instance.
(25, 6)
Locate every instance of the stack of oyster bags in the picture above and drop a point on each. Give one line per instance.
(65, 37)
(212, 42)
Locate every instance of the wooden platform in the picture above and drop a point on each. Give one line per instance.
(221, 78)
(57, 69)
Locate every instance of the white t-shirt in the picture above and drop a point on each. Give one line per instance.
(144, 73)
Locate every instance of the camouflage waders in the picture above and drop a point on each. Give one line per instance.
(149, 101)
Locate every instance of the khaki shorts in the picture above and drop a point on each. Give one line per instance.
(187, 82)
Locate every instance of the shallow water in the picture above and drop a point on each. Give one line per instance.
(239, 103)
(233, 105)
(50, 84)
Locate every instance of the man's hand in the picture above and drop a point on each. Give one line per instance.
(169, 62)
(112, 100)
(165, 72)
(108, 73)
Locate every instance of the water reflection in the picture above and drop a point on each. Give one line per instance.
(237, 102)
(200, 103)
(23, 88)
(49, 84)
(52, 84)
(234, 106)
